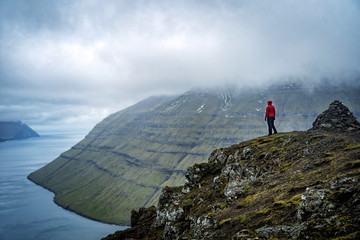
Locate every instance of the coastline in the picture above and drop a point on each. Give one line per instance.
(127, 225)
(16, 139)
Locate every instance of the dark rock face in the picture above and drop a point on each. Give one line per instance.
(143, 215)
(337, 117)
(297, 185)
(140, 221)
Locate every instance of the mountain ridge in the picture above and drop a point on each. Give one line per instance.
(125, 160)
(294, 185)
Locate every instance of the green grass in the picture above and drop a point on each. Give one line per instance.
(352, 146)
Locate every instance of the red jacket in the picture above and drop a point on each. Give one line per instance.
(270, 110)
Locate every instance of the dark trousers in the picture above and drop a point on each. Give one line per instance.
(270, 121)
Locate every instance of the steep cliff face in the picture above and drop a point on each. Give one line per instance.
(125, 161)
(295, 185)
(15, 130)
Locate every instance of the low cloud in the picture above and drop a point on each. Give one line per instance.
(62, 59)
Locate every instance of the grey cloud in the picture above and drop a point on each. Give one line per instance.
(25, 17)
(101, 56)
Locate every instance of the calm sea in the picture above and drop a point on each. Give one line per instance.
(27, 211)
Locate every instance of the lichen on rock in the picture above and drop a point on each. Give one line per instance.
(239, 176)
(168, 210)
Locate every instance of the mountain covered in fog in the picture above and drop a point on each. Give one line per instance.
(15, 130)
(294, 185)
(125, 161)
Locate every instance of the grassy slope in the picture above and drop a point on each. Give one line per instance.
(293, 162)
(126, 159)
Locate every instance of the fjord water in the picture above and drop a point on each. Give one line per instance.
(27, 211)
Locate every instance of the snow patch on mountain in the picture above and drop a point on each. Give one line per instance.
(226, 98)
(201, 108)
(177, 103)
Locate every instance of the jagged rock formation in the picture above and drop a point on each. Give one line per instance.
(15, 130)
(296, 185)
(125, 161)
(337, 117)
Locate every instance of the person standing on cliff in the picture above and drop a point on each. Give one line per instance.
(270, 117)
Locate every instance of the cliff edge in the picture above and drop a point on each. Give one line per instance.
(298, 185)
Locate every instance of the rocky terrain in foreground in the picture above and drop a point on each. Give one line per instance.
(15, 131)
(295, 185)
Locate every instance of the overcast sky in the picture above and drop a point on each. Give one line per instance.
(76, 61)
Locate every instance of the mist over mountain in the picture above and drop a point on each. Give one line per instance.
(126, 159)
(75, 62)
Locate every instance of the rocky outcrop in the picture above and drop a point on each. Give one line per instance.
(141, 216)
(15, 131)
(296, 185)
(337, 117)
(140, 220)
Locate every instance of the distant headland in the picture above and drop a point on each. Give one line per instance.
(15, 130)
